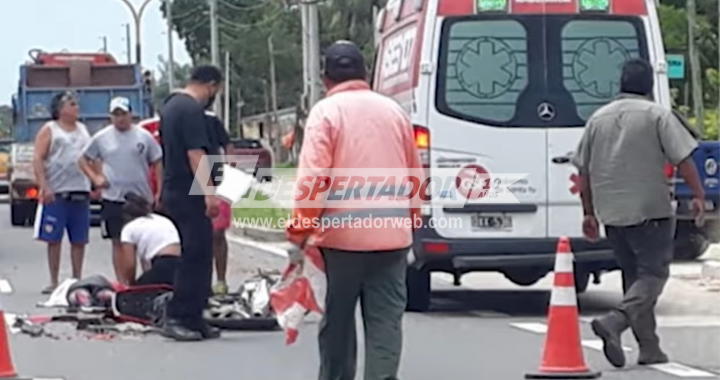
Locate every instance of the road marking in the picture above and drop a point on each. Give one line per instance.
(538, 328)
(10, 320)
(597, 344)
(685, 321)
(680, 370)
(5, 287)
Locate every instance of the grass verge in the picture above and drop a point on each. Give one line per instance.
(265, 213)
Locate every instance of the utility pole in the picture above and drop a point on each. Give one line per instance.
(128, 43)
(214, 43)
(226, 93)
(314, 51)
(273, 79)
(171, 53)
(104, 42)
(239, 105)
(695, 69)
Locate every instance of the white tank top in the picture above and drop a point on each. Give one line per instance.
(61, 165)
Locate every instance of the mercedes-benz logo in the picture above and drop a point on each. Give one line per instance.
(546, 111)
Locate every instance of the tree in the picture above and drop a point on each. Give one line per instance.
(161, 88)
(244, 28)
(6, 121)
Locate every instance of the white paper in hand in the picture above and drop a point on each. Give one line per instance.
(234, 185)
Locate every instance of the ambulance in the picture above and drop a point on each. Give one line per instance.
(506, 86)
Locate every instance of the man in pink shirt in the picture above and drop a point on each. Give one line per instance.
(356, 128)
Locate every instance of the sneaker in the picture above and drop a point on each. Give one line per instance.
(220, 289)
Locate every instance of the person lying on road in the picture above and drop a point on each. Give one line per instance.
(151, 238)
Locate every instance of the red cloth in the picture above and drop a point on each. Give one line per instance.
(222, 221)
(301, 290)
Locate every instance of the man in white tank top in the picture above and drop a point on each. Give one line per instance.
(64, 203)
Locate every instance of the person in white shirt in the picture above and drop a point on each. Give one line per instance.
(150, 238)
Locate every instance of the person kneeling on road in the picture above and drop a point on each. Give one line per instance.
(150, 237)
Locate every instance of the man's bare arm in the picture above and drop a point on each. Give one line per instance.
(40, 153)
(688, 171)
(586, 194)
(157, 166)
(89, 168)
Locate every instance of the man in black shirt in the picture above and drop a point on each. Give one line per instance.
(186, 142)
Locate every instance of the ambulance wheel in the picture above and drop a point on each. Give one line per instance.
(690, 242)
(418, 289)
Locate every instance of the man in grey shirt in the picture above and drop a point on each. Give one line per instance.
(127, 153)
(621, 160)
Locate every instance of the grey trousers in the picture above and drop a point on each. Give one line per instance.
(644, 253)
(377, 280)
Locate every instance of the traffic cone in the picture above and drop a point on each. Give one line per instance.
(563, 354)
(7, 370)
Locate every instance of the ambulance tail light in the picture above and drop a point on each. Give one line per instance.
(422, 142)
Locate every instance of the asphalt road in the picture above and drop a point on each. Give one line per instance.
(495, 332)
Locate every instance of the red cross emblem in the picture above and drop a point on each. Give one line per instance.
(575, 188)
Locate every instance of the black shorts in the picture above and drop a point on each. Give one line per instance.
(112, 219)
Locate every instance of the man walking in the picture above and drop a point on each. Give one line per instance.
(64, 191)
(221, 222)
(128, 153)
(191, 204)
(354, 127)
(621, 158)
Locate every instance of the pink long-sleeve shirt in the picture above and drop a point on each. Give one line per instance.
(356, 131)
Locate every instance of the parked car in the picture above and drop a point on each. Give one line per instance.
(253, 147)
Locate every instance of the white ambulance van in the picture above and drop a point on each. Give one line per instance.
(506, 86)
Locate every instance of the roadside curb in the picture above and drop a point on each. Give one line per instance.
(710, 272)
(260, 234)
(276, 249)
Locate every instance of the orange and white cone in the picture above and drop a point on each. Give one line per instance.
(7, 369)
(563, 354)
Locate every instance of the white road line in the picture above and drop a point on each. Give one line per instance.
(674, 369)
(684, 321)
(5, 287)
(10, 320)
(680, 370)
(538, 328)
(596, 344)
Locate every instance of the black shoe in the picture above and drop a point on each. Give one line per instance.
(210, 332)
(174, 330)
(612, 344)
(656, 357)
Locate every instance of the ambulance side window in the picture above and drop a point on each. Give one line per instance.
(593, 54)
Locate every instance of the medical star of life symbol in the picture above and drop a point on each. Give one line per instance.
(575, 188)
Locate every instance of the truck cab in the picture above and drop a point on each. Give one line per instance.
(95, 78)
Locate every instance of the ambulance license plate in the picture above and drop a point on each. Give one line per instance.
(492, 223)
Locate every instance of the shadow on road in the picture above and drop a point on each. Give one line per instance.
(517, 303)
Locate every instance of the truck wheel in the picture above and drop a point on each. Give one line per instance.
(17, 216)
(690, 242)
(525, 276)
(418, 289)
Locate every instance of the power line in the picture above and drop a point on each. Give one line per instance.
(244, 8)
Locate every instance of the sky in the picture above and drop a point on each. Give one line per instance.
(77, 26)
